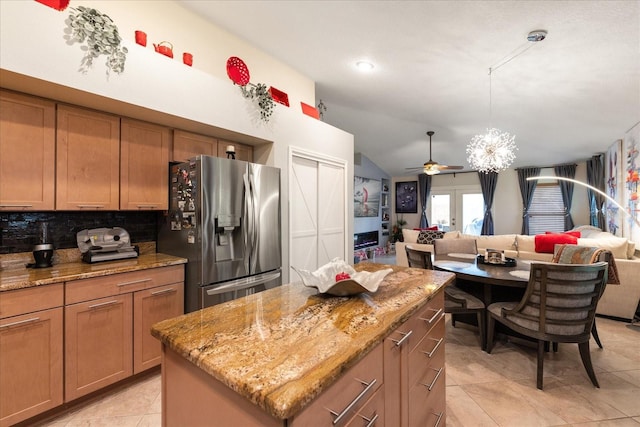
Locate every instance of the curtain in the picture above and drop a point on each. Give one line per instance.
(566, 187)
(424, 183)
(488, 182)
(526, 191)
(595, 178)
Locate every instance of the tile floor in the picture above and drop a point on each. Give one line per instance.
(497, 389)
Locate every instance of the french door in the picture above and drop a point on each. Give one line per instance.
(460, 209)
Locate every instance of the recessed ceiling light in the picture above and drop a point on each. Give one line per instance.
(364, 65)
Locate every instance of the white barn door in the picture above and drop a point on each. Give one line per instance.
(317, 211)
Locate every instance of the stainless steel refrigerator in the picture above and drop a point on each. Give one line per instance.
(224, 217)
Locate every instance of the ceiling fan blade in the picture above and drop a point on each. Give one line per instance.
(451, 167)
(417, 168)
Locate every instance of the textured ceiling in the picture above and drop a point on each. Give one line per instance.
(565, 98)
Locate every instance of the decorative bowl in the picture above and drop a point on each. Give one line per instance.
(324, 279)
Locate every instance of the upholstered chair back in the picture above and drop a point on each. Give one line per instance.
(418, 259)
(442, 247)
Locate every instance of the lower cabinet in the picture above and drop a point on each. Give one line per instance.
(98, 344)
(31, 353)
(108, 322)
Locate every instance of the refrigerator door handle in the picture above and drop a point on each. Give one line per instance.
(245, 282)
(253, 229)
(247, 221)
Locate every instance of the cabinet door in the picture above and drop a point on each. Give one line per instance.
(187, 145)
(151, 306)
(98, 344)
(30, 365)
(243, 152)
(27, 153)
(144, 166)
(87, 160)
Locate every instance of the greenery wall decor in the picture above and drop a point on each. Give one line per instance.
(260, 93)
(100, 36)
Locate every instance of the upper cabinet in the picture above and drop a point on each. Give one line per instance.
(187, 145)
(27, 153)
(144, 165)
(243, 152)
(88, 159)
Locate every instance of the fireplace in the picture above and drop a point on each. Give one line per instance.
(365, 240)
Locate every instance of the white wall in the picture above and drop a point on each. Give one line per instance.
(34, 58)
(507, 202)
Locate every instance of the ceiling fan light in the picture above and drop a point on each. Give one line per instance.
(492, 151)
(431, 170)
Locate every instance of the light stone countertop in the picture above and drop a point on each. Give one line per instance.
(282, 347)
(20, 278)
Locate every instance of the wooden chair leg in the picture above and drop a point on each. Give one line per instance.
(491, 324)
(541, 347)
(594, 332)
(481, 330)
(453, 320)
(555, 347)
(585, 355)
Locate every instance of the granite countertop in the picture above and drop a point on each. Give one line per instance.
(19, 278)
(282, 347)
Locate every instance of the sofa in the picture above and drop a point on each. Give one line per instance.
(620, 301)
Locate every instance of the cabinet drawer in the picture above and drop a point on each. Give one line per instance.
(421, 322)
(100, 287)
(344, 398)
(372, 413)
(427, 358)
(427, 408)
(21, 301)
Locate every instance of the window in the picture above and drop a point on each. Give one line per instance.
(547, 209)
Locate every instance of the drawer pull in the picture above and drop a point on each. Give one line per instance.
(341, 415)
(103, 304)
(16, 206)
(403, 339)
(135, 282)
(147, 206)
(371, 421)
(20, 323)
(430, 353)
(430, 386)
(439, 418)
(434, 317)
(90, 206)
(164, 291)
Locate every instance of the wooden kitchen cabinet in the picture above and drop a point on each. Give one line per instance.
(27, 153)
(98, 344)
(243, 151)
(108, 322)
(144, 165)
(187, 145)
(151, 306)
(31, 352)
(414, 369)
(87, 160)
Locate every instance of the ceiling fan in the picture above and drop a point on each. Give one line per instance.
(431, 167)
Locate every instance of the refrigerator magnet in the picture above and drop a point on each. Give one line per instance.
(191, 237)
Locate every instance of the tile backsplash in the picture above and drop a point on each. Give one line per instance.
(19, 230)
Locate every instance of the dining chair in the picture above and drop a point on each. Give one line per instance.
(575, 254)
(559, 305)
(456, 300)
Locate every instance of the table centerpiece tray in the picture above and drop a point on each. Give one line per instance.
(508, 262)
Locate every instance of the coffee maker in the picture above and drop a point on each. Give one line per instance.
(43, 251)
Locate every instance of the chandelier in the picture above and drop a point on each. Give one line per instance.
(494, 150)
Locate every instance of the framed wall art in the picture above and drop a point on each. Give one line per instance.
(613, 178)
(407, 197)
(631, 184)
(366, 197)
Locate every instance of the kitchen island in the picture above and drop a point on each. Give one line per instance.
(290, 356)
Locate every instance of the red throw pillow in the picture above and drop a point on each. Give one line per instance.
(546, 242)
(432, 228)
(570, 233)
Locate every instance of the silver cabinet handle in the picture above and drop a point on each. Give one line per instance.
(439, 418)
(90, 206)
(163, 292)
(103, 304)
(147, 206)
(403, 339)
(430, 353)
(16, 206)
(430, 386)
(345, 411)
(430, 321)
(135, 282)
(371, 421)
(20, 323)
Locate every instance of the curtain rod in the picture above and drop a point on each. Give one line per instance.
(547, 167)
